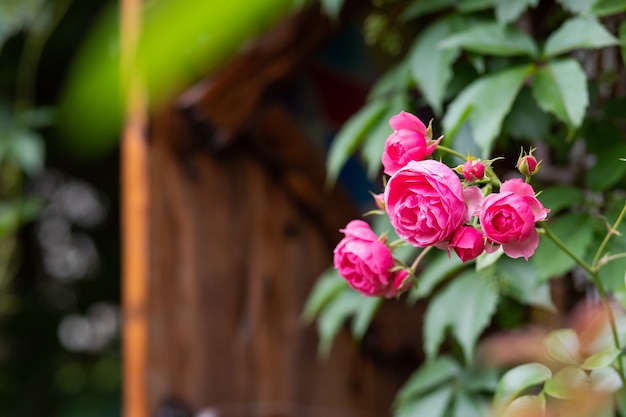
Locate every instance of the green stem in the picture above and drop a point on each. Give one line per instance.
(419, 258)
(596, 266)
(601, 292)
(451, 152)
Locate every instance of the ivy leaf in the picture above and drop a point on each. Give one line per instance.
(492, 39)
(577, 6)
(578, 33)
(567, 383)
(509, 11)
(608, 7)
(350, 137)
(433, 404)
(601, 359)
(563, 346)
(560, 87)
(466, 305)
(431, 375)
(517, 380)
(550, 261)
(431, 66)
(486, 102)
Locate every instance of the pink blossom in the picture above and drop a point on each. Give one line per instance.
(467, 242)
(473, 197)
(424, 202)
(508, 218)
(365, 262)
(410, 141)
(473, 170)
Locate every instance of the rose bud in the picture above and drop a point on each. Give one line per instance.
(467, 242)
(473, 170)
(527, 165)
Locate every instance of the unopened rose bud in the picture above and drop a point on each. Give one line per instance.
(473, 170)
(379, 199)
(527, 165)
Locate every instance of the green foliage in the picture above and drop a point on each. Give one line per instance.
(492, 38)
(509, 11)
(518, 379)
(578, 33)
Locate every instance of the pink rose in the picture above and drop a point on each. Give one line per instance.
(424, 202)
(408, 142)
(508, 218)
(365, 262)
(467, 242)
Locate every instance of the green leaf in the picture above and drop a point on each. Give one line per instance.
(519, 279)
(608, 7)
(621, 401)
(393, 82)
(332, 7)
(533, 405)
(485, 260)
(560, 197)
(605, 380)
(466, 6)
(438, 268)
(577, 6)
(334, 315)
(608, 169)
(26, 148)
(486, 102)
(429, 376)
(578, 33)
(563, 346)
(526, 120)
(350, 137)
(576, 230)
(560, 87)
(492, 39)
(420, 8)
(516, 380)
(364, 314)
(622, 37)
(601, 359)
(509, 11)
(433, 404)
(432, 66)
(466, 305)
(567, 383)
(327, 287)
(466, 405)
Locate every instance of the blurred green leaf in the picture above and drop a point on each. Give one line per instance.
(563, 346)
(560, 87)
(334, 315)
(438, 268)
(327, 286)
(526, 120)
(492, 39)
(520, 281)
(605, 380)
(509, 11)
(578, 33)
(15, 213)
(559, 197)
(577, 6)
(432, 66)
(608, 7)
(16, 15)
(533, 405)
(351, 135)
(575, 229)
(567, 383)
(332, 7)
(422, 7)
(429, 376)
(601, 359)
(466, 305)
(486, 102)
(433, 404)
(466, 6)
(608, 169)
(622, 37)
(485, 260)
(466, 405)
(364, 314)
(24, 147)
(393, 82)
(516, 380)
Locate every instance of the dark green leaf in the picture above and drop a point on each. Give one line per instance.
(466, 6)
(622, 38)
(509, 11)
(563, 345)
(350, 137)
(519, 280)
(577, 6)
(573, 228)
(327, 286)
(578, 33)
(422, 7)
(492, 39)
(526, 120)
(466, 305)
(438, 268)
(432, 66)
(393, 82)
(608, 169)
(560, 88)
(433, 404)
(364, 314)
(516, 380)
(608, 7)
(486, 102)
(466, 405)
(559, 197)
(333, 316)
(428, 377)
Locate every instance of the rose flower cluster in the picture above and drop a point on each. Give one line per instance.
(430, 204)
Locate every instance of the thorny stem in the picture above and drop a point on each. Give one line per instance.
(595, 264)
(601, 292)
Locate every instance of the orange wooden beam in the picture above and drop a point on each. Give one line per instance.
(134, 154)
